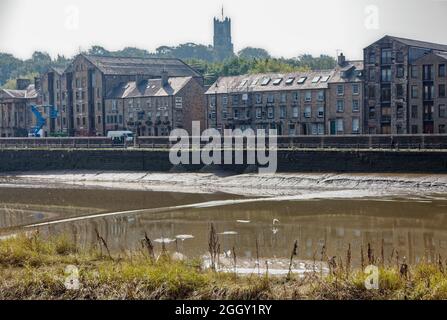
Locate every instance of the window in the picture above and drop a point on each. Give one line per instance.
(320, 128)
(442, 111)
(371, 92)
(372, 74)
(320, 112)
(441, 91)
(283, 112)
(400, 71)
(212, 101)
(225, 100)
(385, 94)
(414, 112)
(441, 70)
(414, 92)
(442, 128)
(291, 129)
(340, 126)
(302, 80)
(236, 114)
(387, 56)
(325, 79)
(399, 111)
(243, 83)
(258, 113)
(372, 57)
(399, 57)
(307, 112)
(290, 80)
(235, 100)
(224, 113)
(308, 96)
(386, 74)
(429, 92)
(270, 98)
(414, 72)
(99, 119)
(283, 98)
(295, 112)
(355, 125)
(399, 91)
(340, 105)
(270, 112)
(265, 81)
(340, 90)
(316, 79)
(320, 95)
(355, 89)
(296, 96)
(427, 72)
(277, 82)
(258, 98)
(355, 105)
(372, 112)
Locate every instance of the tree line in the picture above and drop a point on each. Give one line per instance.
(200, 57)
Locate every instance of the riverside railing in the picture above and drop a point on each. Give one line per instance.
(356, 142)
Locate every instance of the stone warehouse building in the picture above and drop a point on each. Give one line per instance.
(154, 107)
(84, 84)
(299, 103)
(15, 109)
(391, 64)
(427, 96)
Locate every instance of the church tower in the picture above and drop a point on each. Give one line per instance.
(223, 47)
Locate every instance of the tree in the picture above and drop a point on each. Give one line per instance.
(253, 53)
(98, 51)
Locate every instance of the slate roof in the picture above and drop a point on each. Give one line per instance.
(29, 93)
(253, 83)
(148, 88)
(418, 43)
(142, 66)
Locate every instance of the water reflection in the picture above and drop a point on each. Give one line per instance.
(413, 228)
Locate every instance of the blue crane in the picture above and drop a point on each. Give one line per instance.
(41, 121)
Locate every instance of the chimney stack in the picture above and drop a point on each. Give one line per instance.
(164, 78)
(341, 59)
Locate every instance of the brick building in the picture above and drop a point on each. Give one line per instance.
(86, 81)
(154, 107)
(51, 93)
(427, 97)
(15, 109)
(345, 98)
(388, 63)
(299, 103)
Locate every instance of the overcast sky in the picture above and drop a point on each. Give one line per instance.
(283, 27)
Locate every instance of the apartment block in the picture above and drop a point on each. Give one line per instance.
(388, 63)
(299, 103)
(345, 98)
(154, 107)
(15, 109)
(428, 100)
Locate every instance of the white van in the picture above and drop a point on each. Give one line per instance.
(121, 135)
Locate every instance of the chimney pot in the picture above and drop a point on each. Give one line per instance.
(341, 59)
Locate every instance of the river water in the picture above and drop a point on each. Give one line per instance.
(399, 215)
